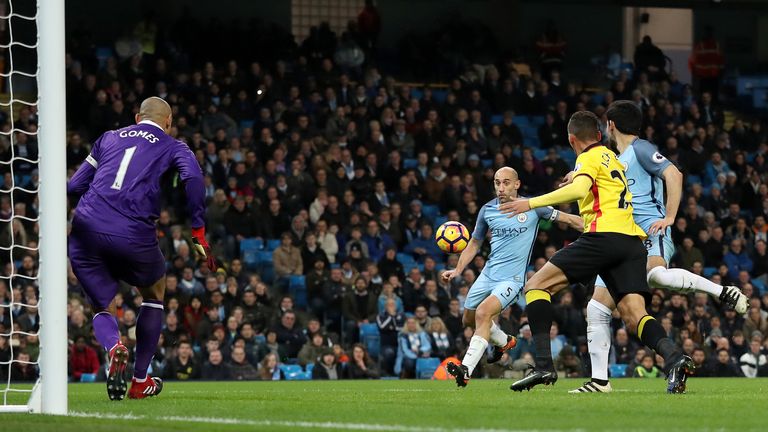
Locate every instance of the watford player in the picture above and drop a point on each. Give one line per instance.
(611, 247)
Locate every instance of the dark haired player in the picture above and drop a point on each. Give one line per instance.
(611, 247)
(114, 237)
(648, 175)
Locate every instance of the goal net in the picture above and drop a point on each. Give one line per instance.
(33, 290)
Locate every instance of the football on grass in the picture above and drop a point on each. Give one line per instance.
(452, 237)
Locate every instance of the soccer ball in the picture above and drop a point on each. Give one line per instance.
(452, 237)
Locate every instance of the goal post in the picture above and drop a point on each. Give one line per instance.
(49, 394)
(53, 207)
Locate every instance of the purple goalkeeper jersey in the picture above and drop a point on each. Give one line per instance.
(121, 181)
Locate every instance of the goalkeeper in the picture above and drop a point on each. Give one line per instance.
(114, 237)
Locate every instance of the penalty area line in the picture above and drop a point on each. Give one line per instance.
(289, 423)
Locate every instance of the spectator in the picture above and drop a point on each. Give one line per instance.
(737, 259)
(725, 367)
(269, 369)
(327, 368)
(706, 62)
(359, 307)
(413, 343)
(442, 343)
(215, 369)
(650, 59)
(184, 367)
(754, 363)
(646, 369)
(311, 351)
(82, 359)
(288, 335)
(239, 368)
(755, 322)
(390, 323)
(287, 258)
(360, 365)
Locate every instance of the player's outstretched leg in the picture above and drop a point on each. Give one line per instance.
(540, 315)
(685, 282)
(148, 327)
(677, 365)
(599, 343)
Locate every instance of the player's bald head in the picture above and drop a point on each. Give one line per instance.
(506, 172)
(155, 109)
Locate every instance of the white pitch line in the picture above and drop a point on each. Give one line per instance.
(296, 424)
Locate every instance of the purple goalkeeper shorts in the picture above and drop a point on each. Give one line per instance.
(101, 260)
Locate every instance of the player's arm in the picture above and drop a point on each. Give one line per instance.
(575, 191)
(655, 164)
(673, 181)
(573, 221)
(81, 180)
(192, 177)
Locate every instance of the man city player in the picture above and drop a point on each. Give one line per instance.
(503, 276)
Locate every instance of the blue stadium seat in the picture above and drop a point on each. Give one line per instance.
(760, 286)
(692, 179)
(88, 378)
(538, 120)
(486, 163)
(297, 288)
(440, 220)
(417, 93)
(540, 154)
(497, 119)
(292, 372)
(430, 211)
(410, 163)
(251, 244)
(598, 98)
(618, 370)
(250, 259)
(709, 271)
(426, 367)
(530, 142)
(439, 95)
(369, 336)
(246, 124)
(530, 132)
(405, 258)
(308, 368)
(521, 121)
(273, 244)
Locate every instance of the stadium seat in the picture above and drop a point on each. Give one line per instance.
(246, 124)
(540, 154)
(308, 368)
(417, 93)
(530, 131)
(521, 121)
(486, 163)
(292, 372)
(497, 119)
(425, 367)
(707, 272)
(251, 244)
(297, 288)
(439, 95)
(538, 121)
(440, 220)
(405, 258)
(369, 336)
(410, 163)
(88, 378)
(430, 211)
(691, 179)
(530, 142)
(759, 285)
(273, 244)
(618, 370)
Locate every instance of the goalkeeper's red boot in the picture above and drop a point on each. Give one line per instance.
(150, 387)
(118, 360)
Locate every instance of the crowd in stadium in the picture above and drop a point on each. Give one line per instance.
(325, 185)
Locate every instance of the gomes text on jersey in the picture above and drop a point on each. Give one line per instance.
(511, 239)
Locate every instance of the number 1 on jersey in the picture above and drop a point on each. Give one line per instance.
(123, 169)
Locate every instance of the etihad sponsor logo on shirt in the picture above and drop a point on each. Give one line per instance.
(139, 133)
(508, 232)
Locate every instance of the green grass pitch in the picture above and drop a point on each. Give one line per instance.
(413, 406)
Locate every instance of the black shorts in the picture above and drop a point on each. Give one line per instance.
(619, 259)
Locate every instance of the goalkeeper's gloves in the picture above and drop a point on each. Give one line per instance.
(202, 248)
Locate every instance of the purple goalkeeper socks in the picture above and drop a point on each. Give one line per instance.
(148, 327)
(105, 329)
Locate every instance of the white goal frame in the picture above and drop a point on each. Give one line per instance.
(50, 392)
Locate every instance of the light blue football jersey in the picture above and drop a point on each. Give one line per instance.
(643, 166)
(511, 239)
